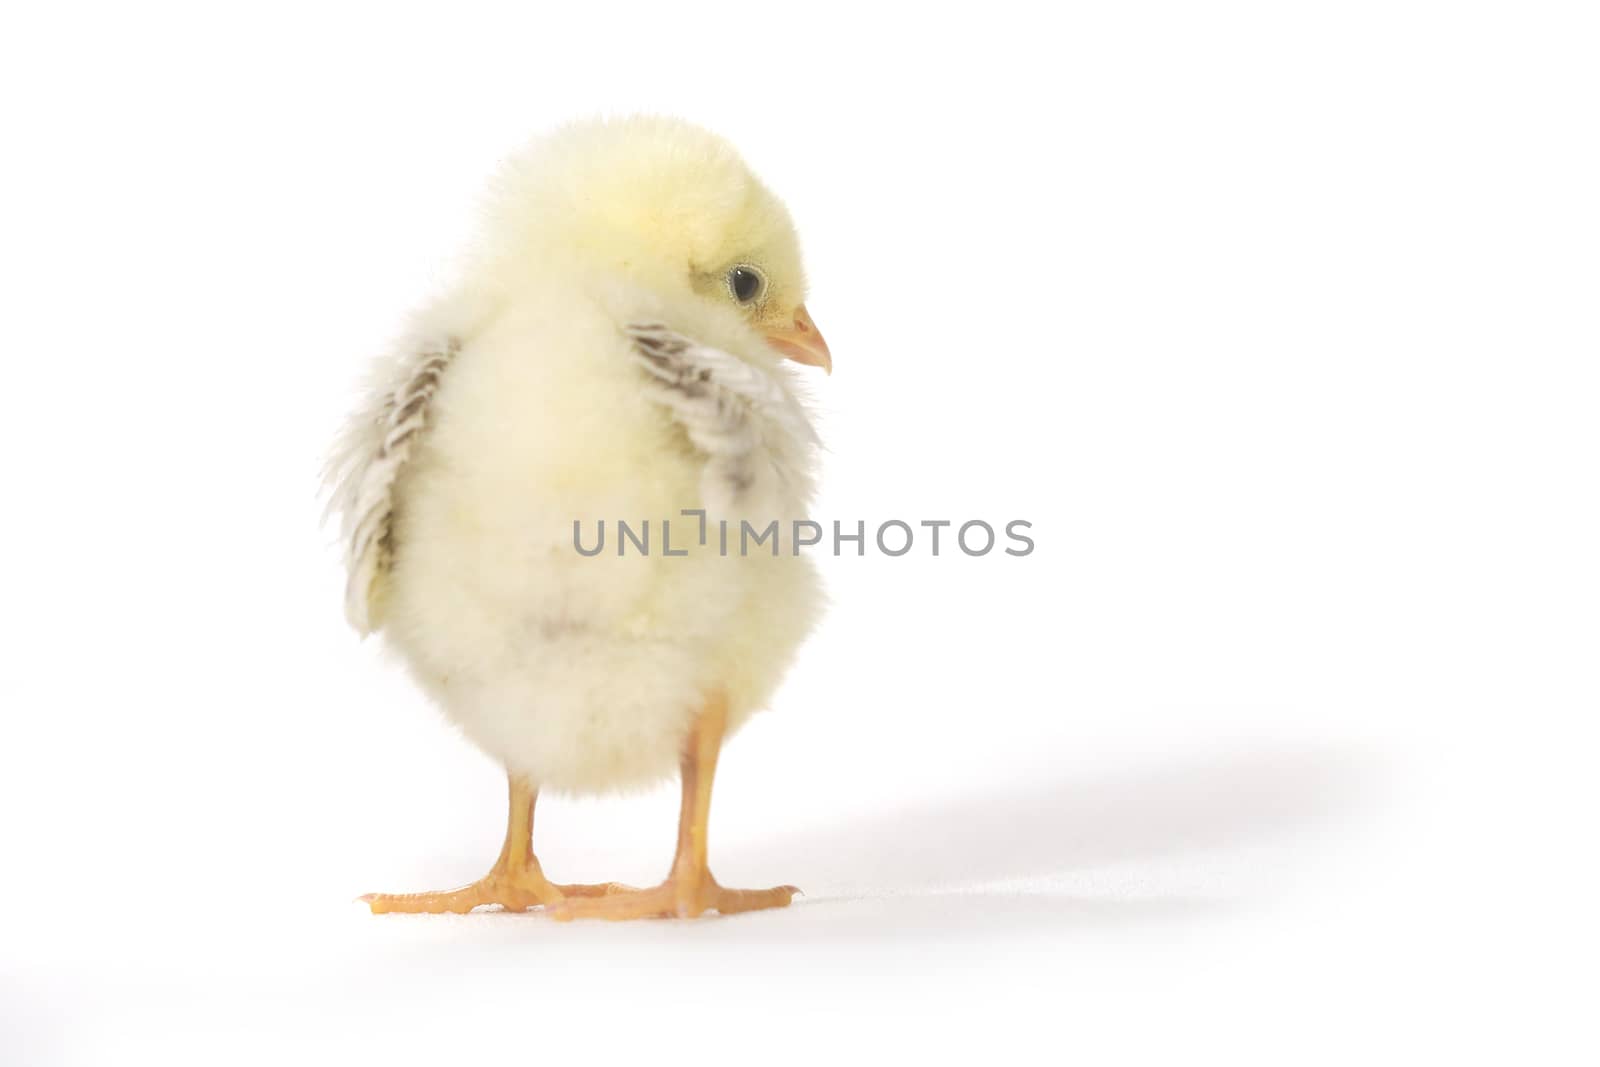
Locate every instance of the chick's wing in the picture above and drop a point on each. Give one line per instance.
(373, 453)
(739, 416)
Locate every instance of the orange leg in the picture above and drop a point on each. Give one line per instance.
(689, 890)
(515, 882)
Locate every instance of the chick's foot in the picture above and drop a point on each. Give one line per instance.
(513, 891)
(678, 897)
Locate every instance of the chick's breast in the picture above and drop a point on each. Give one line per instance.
(583, 673)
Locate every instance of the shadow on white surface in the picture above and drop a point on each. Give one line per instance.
(1047, 831)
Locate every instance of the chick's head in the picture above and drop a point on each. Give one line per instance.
(666, 206)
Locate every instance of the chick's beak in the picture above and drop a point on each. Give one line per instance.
(802, 341)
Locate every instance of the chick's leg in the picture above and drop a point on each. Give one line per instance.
(516, 882)
(689, 890)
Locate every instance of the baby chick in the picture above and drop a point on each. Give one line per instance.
(614, 350)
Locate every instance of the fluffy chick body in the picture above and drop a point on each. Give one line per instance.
(584, 673)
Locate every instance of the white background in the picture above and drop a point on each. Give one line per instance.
(1277, 321)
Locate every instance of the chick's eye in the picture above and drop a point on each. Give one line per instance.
(746, 284)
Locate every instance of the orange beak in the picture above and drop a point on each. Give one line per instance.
(802, 342)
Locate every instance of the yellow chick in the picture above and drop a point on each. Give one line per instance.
(615, 352)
